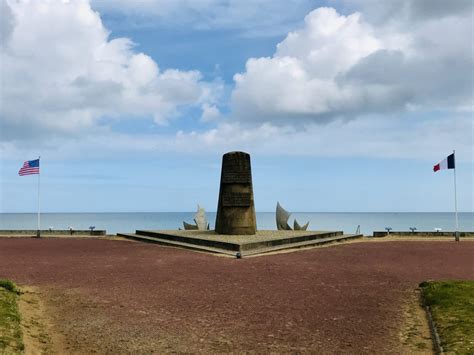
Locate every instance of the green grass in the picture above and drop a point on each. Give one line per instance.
(452, 306)
(8, 285)
(10, 331)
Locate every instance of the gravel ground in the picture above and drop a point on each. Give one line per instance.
(113, 296)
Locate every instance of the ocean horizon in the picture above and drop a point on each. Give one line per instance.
(115, 222)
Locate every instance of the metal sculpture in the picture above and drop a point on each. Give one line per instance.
(200, 221)
(188, 226)
(297, 227)
(282, 218)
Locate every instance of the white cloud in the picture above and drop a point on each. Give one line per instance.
(369, 137)
(344, 66)
(406, 13)
(209, 113)
(59, 81)
(366, 137)
(61, 73)
(7, 23)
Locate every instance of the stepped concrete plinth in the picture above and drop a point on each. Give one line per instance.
(262, 242)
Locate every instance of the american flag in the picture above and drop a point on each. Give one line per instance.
(30, 167)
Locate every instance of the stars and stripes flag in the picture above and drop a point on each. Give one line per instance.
(447, 163)
(30, 167)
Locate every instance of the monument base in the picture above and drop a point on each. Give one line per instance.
(262, 242)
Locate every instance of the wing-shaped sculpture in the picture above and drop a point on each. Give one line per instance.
(200, 219)
(188, 226)
(282, 217)
(297, 227)
(305, 227)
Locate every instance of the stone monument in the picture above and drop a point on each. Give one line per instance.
(236, 210)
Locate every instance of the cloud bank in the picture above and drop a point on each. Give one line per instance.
(62, 73)
(393, 79)
(345, 66)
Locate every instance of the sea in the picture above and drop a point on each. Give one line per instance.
(348, 222)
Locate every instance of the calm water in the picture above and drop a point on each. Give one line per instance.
(348, 222)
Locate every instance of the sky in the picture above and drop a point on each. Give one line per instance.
(344, 106)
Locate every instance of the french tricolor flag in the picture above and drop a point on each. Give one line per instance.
(447, 163)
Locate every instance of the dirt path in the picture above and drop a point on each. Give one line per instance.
(122, 297)
(39, 335)
(415, 336)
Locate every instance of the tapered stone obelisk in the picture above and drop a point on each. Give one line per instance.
(236, 210)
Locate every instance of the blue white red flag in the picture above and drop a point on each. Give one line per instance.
(30, 167)
(448, 163)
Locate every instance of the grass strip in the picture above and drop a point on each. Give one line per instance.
(11, 340)
(452, 307)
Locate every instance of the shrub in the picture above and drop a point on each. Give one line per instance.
(8, 285)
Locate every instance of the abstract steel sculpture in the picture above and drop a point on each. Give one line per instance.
(200, 221)
(297, 227)
(282, 217)
(188, 226)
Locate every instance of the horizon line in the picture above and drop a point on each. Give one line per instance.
(97, 212)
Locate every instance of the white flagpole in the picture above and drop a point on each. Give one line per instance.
(38, 233)
(456, 233)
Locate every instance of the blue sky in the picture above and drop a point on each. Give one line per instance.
(343, 106)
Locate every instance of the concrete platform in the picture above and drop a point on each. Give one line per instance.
(264, 241)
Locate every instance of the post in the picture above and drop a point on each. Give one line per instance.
(38, 231)
(456, 232)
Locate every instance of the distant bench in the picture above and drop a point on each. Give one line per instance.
(420, 234)
(95, 232)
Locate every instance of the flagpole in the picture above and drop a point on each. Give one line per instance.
(38, 233)
(456, 233)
